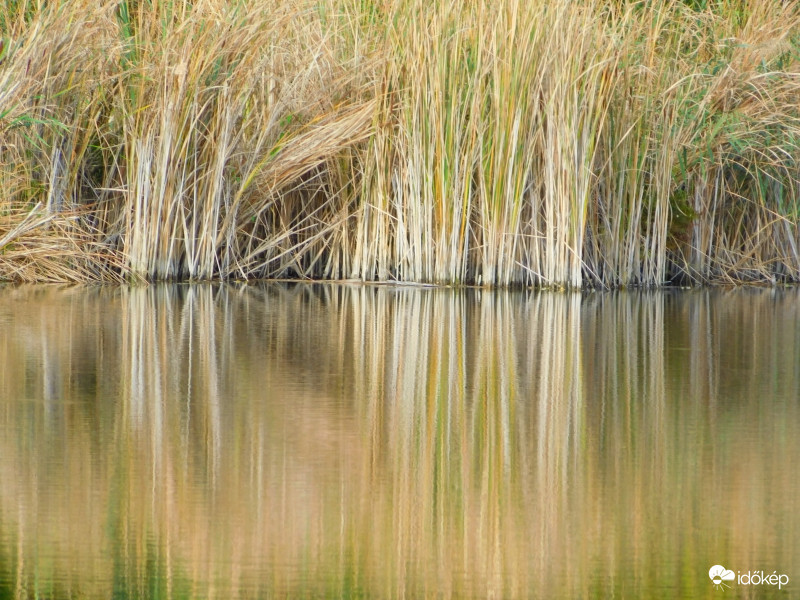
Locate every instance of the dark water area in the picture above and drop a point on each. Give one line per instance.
(259, 441)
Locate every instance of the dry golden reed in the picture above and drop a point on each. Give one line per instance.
(569, 144)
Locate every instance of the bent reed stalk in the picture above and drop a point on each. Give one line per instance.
(597, 143)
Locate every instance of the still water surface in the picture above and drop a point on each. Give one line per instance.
(370, 441)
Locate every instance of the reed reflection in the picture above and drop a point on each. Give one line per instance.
(276, 440)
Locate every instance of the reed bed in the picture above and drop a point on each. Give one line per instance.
(570, 144)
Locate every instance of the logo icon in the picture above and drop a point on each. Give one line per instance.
(719, 575)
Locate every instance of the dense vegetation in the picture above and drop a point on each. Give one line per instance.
(592, 143)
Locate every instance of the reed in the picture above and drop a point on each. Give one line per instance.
(598, 143)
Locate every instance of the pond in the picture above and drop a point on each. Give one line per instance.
(310, 440)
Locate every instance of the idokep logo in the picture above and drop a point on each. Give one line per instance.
(719, 575)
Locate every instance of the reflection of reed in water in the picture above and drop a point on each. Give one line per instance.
(224, 441)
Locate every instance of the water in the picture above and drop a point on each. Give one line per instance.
(356, 441)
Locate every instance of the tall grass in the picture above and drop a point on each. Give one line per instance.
(597, 143)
